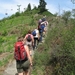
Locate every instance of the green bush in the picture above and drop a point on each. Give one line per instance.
(17, 14)
(4, 33)
(32, 22)
(1, 40)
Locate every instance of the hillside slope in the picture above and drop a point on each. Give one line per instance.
(10, 29)
(56, 56)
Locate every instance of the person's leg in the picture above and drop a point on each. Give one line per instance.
(19, 67)
(40, 37)
(26, 67)
(31, 52)
(41, 34)
(37, 42)
(44, 34)
(26, 72)
(34, 43)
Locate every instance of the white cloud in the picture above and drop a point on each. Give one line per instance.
(6, 8)
(11, 8)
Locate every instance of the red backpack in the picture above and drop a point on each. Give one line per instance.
(19, 52)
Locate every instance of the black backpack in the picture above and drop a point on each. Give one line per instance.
(29, 38)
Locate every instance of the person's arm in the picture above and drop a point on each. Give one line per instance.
(28, 54)
(32, 39)
(38, 35)
(25, 38)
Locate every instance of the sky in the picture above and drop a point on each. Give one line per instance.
(54, 6)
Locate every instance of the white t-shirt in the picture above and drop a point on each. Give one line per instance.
(37, 32)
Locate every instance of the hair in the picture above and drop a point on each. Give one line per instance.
(29, 32)
(40, 20)
(20, 39)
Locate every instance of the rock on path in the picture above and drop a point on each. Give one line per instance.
(11, 69)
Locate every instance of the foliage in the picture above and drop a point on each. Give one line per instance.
(57, 55)
(1, 40)
(42, 6)
(17, 14)
(62, 54)
(35, 8)
(28, 7)
(5, 60)
(32, 22)
(4, 33)
(66, 16)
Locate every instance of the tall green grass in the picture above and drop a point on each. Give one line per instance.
(57, 55)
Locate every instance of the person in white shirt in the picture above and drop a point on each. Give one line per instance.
(36, 38)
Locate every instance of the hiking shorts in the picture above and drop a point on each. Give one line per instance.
(22, 66)
(30, 48)
(29, 45)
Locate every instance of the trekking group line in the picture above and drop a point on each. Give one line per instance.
(25, 46)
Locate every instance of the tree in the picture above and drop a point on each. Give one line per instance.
(73, 1)
(28, 7)
(42, 6)
(34, 7)
(66, 16)
(73, 13)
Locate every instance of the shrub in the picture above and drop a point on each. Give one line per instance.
(4, 33)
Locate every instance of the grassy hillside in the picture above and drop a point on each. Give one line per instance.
(13, 27)
(57, 55)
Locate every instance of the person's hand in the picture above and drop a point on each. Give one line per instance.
(30, 64)
(33, 44)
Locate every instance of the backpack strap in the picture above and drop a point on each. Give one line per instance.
(19, 51)
(27, 35)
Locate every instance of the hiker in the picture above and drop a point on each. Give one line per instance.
(29, 40)
(39, 23)
(41, 30)
(36, 35)
(45, 23)
(22, 56)
(46, 26)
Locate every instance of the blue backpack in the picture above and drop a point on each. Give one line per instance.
(42, 27)
(34, 33)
